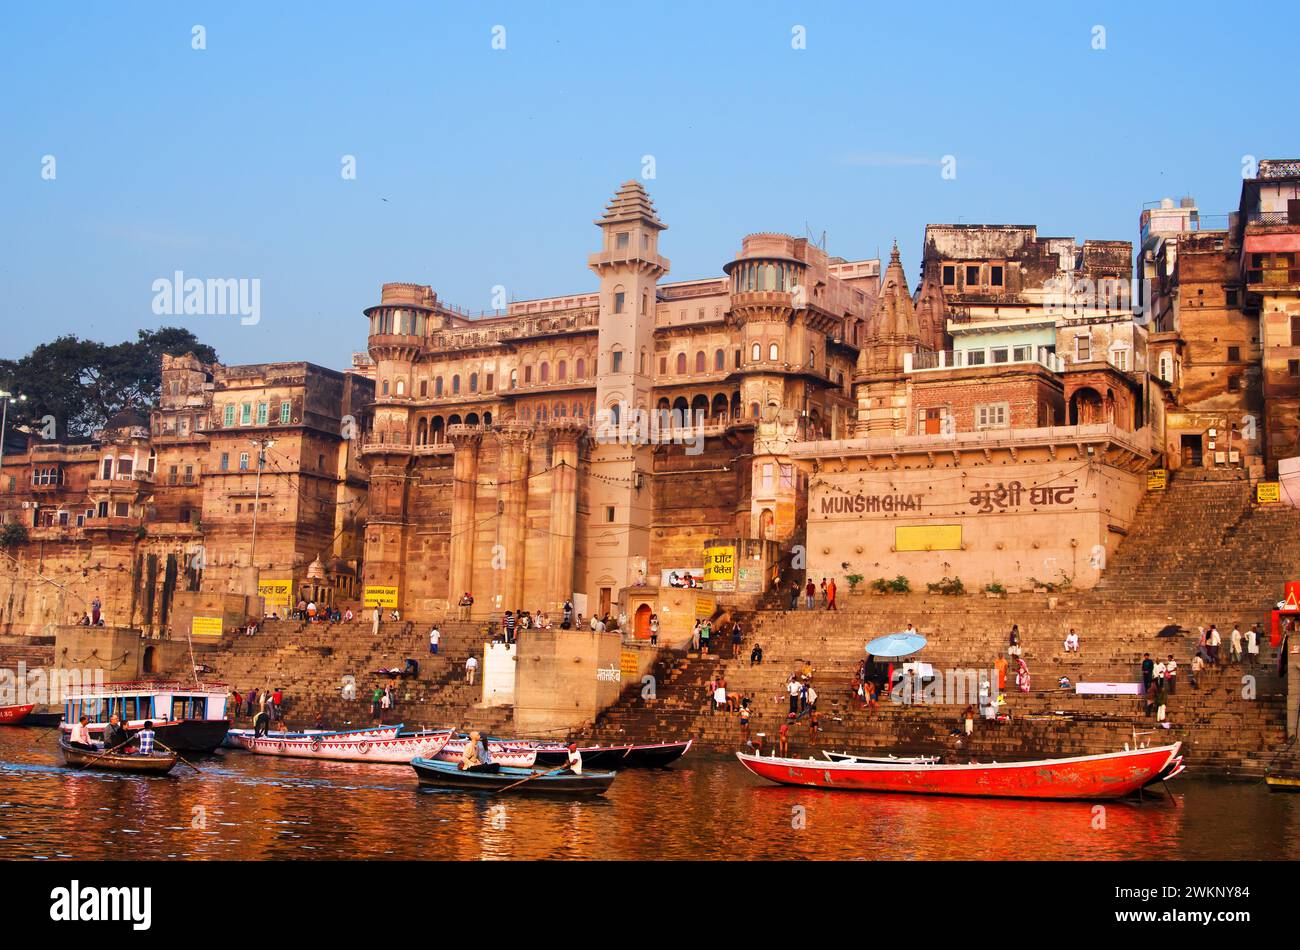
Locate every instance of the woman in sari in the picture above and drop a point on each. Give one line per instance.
(1022, 676)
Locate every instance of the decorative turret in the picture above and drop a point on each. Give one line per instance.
(892, 330)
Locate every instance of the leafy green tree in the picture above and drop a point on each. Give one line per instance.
(83, 383)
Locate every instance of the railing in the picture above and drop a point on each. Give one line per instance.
(982, 358)
(1268, 218)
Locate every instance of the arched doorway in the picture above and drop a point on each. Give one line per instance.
(1086, 407)
(766, 524)
(641, 624)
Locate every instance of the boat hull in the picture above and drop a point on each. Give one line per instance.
(438, 774)
(156, 764)
(234, 738)
(1108, 776)
(651, 756)
(13, 715)
(390, 750)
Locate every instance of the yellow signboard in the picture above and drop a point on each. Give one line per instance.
(1157, 479)
(277, 593)
(380, 596)
(1267, 493)
(628, 665)
(706, 605)
(720, 563)
(206, 627)
(928, 537)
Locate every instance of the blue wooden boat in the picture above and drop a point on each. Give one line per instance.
(449, 775)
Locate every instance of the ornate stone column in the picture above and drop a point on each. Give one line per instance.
(566, 434)
(464, 496)
(512, 494)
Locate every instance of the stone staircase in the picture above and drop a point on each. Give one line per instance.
(1201, 553)
(310, 661)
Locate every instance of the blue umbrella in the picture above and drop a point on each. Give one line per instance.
(896, 644)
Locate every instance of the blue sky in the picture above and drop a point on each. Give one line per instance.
(479, 167)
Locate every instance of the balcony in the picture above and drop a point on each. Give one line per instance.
(973, 358)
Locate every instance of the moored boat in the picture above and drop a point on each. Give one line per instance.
(435, 773)
(160, 763)
(395, 750)
(1106, 776)
(235, 737)
(13, 715)
(185, 718)
(1282, 783)
(654, 755)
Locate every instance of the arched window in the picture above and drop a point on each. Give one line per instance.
(753, 410)
(561, 371)
(681, 364)
(401, 387)
(580, 370)
(473, 382)
(545, 372)
(471, 419)
(514, 379)
(773, 353)
(422, 432)
(719, 360)
(424, 388)
(385, 387)
(487, 418)
(437, 386)
(436, 430)
(757, 352)
(455, 384)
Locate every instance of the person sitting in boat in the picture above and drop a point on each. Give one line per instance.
(477, 757)
(573, 764)
(114, 735)
(80, 738)
(146, 737)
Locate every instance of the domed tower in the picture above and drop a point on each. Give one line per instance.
(892, 332)
(629, 267)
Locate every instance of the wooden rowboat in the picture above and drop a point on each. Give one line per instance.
(392, 750)
(235, 737)
(13, 715)
(1107, 776)
(446, 775)
(160, 763)
(654, 755)
(507, 754)
(1282, 783)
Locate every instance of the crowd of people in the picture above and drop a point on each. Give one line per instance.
(263, 706)
(810, 592)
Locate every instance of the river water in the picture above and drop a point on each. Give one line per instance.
(243, 807)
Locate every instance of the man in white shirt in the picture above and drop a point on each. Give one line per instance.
(574, 761)
(1072, 642)
(434, 637)
(471, 665)
(1212, 643)
(1234, 643)
(1171, 673)
(80, 738)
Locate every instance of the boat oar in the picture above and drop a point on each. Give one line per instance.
(179, 756)
(530, 778)
(104, 753)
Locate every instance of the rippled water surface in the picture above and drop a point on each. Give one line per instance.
(243, 806)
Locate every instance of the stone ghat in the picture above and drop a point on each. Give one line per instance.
(310, 662)
(1222, 731)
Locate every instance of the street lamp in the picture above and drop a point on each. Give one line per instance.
(262, 446)
(4, 419)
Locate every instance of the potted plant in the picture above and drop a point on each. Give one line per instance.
(854, 580)
(994, 590)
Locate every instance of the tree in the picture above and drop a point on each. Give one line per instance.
(83, 383)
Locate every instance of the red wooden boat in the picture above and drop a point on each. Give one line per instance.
(13, 715)
(1112, 775)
